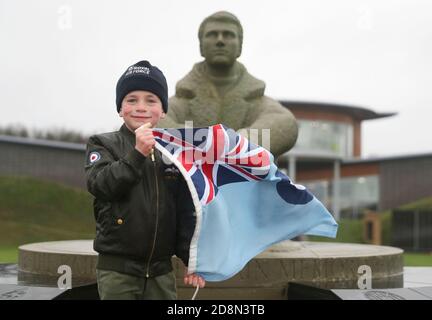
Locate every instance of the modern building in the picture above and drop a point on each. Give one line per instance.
(327, 159)
(61, 162)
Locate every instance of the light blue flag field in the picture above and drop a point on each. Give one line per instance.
(243, 203)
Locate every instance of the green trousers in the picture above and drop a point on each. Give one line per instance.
(113, 285)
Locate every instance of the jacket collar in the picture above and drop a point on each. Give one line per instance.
(127, 133)
(130, 136)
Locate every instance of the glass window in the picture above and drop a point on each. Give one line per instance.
(326, 137)
(319, 189)
(357, 194)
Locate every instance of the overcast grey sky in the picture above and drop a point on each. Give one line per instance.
(60, 60)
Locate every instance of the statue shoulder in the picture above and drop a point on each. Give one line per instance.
(253, 87)
(186, 87)
(274, 105)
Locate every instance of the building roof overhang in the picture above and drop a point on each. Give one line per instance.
(358, 113)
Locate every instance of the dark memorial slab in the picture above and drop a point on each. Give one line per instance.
(15, 292)
(24, 292)
(11, 288)
(299, 291)
(8, 273)
(385, 294)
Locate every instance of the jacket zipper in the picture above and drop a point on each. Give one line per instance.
(157, 215)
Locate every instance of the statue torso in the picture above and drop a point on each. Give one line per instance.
(232, 102)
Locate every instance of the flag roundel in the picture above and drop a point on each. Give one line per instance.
(94, 156)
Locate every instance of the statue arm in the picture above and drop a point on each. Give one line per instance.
(281, 122)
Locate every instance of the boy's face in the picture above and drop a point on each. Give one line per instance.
(139, 107)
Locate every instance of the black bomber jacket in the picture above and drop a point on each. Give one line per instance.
(143, 209)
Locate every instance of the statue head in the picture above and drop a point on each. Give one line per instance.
(221, 39)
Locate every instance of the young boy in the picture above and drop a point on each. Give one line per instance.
(143, 211)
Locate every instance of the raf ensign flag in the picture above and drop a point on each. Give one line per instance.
(243, 203)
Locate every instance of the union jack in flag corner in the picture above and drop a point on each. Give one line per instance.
(243, 203)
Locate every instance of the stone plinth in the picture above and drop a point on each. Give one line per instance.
(322, 264)
(38, 263)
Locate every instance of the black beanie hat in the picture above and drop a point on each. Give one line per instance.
(142, 76)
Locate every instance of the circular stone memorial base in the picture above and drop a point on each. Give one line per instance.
(42, 263)
(267, 276)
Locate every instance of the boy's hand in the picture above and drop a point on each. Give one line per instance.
(193, 279)
(144, 140)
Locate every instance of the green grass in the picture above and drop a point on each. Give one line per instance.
(349, 231)
(8, 254)
(33, 210)
(418, 259)
(422, 204)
